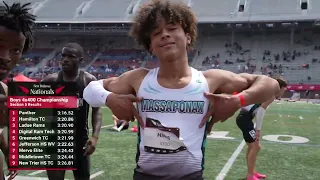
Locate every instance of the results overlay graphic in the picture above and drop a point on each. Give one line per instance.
(42, 125)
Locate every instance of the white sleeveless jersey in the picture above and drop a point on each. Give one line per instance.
(181, 108)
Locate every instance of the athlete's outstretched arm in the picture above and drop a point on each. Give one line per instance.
(254, 88)
(117, 93)
(96, 116)
(5, 149)
(96, 92)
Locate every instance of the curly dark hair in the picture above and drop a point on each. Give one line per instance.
(150, 14)
(16, 17)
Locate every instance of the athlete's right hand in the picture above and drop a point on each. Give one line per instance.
(122, 107)
(210, 125)
(257, 135)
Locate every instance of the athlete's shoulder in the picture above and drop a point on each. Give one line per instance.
(89, 76)
(50, 77)
(4, 86)
(215, 73)
(139, 72)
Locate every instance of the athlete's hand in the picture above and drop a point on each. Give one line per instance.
(258, 135)
(223, 106)
(122, 107)
(12, 174)
(90, 146)
(210, 125)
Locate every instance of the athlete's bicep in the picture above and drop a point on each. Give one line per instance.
(124, 84)
(229, 82)
(236, 82)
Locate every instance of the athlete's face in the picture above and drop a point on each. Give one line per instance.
(169, 41)
(71, 59)
(281, 92)
(11, 48)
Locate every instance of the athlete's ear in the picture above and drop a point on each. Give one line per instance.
(188, 39)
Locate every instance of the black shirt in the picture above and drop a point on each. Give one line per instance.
(82, 129)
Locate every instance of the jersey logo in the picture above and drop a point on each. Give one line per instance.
(252, 134)
(172, 106)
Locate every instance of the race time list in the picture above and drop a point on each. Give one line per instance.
(42, 125)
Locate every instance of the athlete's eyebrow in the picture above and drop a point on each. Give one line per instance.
(16, 45)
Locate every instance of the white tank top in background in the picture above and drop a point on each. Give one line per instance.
(181, 108)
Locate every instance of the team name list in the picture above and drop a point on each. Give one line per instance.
(42, 126)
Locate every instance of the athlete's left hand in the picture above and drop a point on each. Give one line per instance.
(223, 106)
(12, 174)
(90, 146)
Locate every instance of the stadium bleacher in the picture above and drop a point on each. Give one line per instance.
(112, 55)
(270, 37)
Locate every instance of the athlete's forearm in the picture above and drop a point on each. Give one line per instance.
(259, 118)
(95, 94)
(96, 121)
(4, 148)
(261, 89)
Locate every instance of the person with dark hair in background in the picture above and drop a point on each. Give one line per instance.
(72, 56)
(16, 39)
(307, 95)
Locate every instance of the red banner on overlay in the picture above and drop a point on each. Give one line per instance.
(59, 102)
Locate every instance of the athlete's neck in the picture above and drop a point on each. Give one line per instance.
(175, 69)
(70, 75)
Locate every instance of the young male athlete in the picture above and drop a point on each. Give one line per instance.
(252, 135)
(119, 125)
(15, 39)
(174, 109)
(72, 55)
